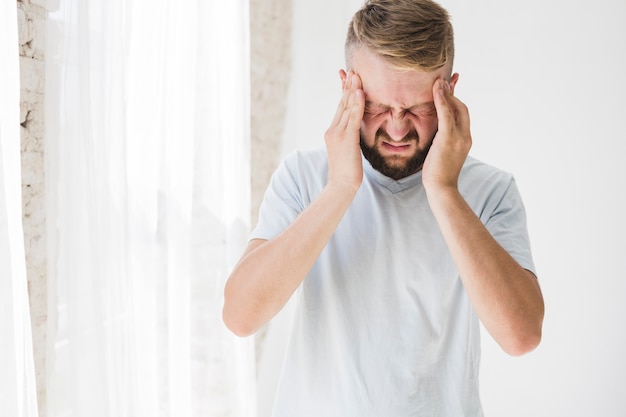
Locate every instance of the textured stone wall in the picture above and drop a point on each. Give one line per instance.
(31, 15)
(270, 69)
(270, 72)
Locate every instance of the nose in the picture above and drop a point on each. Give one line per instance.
(397, 126)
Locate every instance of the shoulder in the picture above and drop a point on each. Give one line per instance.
(304, 172)
(481, 183)
(306, 159)
(478, 174)
(306, 165)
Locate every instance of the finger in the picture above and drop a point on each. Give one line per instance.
(353, 85)
(353, 113)
(457, 109)
(358, 104)
(345, 87)
(444, 112)
(356, 114)
(460, 111)
(345, 104)
(343, 75)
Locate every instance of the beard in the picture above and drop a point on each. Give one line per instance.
(395, 167)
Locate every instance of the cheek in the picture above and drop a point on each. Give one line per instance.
(427, 127)
(368, 131)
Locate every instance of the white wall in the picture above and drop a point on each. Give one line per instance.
(318, 33)
(545, 85)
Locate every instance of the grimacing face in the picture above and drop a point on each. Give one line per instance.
(400, 119)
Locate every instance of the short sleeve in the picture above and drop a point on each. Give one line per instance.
(507, 224)
(281, 204)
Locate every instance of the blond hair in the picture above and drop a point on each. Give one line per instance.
(409, 34)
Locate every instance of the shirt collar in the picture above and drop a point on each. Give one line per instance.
(394, 186)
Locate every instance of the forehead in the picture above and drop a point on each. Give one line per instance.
(390, 86)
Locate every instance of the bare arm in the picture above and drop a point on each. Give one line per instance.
(269, 272)
(507, 298)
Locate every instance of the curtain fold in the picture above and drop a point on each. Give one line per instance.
(147, 152)
(17, 376)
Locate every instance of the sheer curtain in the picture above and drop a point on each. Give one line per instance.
(148, 200)
(18, 396)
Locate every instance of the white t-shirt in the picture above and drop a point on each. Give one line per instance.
(383, 326)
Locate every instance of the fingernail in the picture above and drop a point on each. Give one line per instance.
(447, 84)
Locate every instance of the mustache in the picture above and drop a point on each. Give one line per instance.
(412, 136)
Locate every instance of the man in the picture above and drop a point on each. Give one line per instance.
(395, 240)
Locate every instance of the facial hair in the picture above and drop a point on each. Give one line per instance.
(392, 166)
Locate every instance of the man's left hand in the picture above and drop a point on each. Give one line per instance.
(452, 142)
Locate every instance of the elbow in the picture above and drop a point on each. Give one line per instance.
(525, 333)
(522, 342)
(522, 345)
(240, 331)
(238, 327)
(232, 314)
(236, 324)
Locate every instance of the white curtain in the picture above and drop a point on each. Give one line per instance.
(147, 125)
(18, 396)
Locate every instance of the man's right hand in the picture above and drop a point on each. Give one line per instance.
(343, 135)
(270, 271)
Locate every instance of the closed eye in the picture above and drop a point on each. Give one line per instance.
(428, 112)
(375, 111)
(421, 111)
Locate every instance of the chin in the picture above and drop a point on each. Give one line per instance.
(395, 167)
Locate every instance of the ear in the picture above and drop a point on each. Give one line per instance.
(453, 80)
